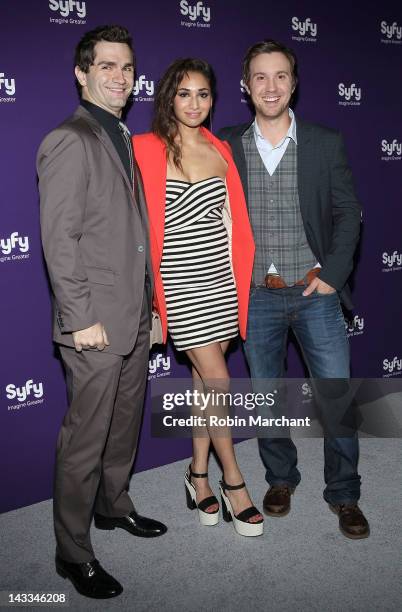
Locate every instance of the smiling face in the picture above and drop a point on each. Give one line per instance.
(110, 78)
(193, 100)
(271, 85)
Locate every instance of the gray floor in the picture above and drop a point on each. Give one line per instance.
(302, 562)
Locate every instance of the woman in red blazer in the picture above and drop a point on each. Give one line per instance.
(202, 256)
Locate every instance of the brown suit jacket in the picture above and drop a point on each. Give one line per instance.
(94, 233)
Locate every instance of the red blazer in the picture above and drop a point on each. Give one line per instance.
(150, 153)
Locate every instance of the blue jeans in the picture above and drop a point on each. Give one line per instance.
(318, 324)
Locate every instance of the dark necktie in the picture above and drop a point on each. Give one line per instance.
(125, 132)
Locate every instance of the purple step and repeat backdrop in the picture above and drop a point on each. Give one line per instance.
(350, 64)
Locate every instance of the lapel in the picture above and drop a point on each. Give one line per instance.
(139, 195)
(240, 158)
(100, 133)
(236, 144)
(305, 165)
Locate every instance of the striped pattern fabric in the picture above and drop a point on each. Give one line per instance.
(200, 292)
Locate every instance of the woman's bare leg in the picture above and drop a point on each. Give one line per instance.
(201, 448)
(210, 364)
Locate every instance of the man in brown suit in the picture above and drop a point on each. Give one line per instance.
(95, 239)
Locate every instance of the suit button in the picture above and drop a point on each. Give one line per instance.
(140, 249)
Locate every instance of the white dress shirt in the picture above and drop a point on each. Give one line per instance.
(272, 155)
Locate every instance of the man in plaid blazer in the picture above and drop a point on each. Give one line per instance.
(306, 221)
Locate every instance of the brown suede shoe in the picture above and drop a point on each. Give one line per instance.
(352, 522)
(277, 500)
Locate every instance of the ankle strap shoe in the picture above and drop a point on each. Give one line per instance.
(206, 518)
(240, 521)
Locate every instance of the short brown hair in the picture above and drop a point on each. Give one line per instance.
(269, 46)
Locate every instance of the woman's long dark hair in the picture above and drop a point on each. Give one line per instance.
(164, 122)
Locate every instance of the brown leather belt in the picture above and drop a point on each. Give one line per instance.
(275, 281)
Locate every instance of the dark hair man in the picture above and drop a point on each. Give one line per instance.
(306, 223)
(95, 241)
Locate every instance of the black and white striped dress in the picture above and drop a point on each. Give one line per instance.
(200, 292)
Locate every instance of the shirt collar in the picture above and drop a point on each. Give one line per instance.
(291, 133)
(106, 119)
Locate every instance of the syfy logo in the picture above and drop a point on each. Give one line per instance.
(65, 7)
(307, 390)
(159, 362)
(392, 366)
(395, 259)
(355, 326)
(350, 93)
(392, 31)
(304, 28)
(7, 245)
(9, 84)
(193, 11)
(391, 147)
(142, 84)
(21, 393)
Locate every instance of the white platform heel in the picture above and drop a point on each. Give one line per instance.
(242, 527)
(206, 518)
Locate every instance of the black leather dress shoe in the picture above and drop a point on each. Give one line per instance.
(90, 579)
(133, 523)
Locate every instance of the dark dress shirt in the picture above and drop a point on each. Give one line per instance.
(110, 124)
